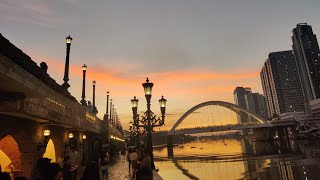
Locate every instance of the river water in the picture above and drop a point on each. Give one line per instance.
(240, 159)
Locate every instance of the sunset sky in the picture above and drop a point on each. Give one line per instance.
(192, 50)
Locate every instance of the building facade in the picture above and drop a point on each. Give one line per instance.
(281, 84)
(254, 102)
(307, 56)
(239, 95)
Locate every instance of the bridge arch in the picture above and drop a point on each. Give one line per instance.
(228, 105)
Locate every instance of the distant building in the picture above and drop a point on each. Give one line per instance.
(307, 55)
(281, 84)
(254, 102)
(239, 95)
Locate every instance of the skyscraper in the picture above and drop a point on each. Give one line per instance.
(281, 84)
(254, 102)
(239, 95)
(307, 55)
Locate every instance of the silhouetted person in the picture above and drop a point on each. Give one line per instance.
(40, 169)
(44, 66)
(103, 163)
(5, 176)
(134, 161)
(128, 158)
(144, 173)
(75, 160)
(91, 172)
(53, 172)
(66, 170)
(146, 161)
(90, 107)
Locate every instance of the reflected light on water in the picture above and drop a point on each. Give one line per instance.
(204, 159)
(240, 159)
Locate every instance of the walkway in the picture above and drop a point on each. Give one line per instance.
(119, 170)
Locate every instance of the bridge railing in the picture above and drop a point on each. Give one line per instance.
(48, 111)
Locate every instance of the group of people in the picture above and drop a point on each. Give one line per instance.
(7, 176)
(69, 171)
(139, 164)
(139, 167)
(45, 170)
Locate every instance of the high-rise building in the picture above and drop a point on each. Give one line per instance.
(281, 84)
(256, 103)
(253, 102)
(239, 95)
(307, 55)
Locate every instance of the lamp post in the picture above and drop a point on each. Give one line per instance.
(107, 108)
(66, 68)
(135, 133)
(134, 136)
(149, 120)
(94, 108)
(83, 101)
(113, 115)
(110, 119)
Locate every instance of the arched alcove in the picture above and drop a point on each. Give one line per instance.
(10, 150)
(50, 151)
(5, 162)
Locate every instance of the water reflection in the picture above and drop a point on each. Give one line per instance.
(240, 159)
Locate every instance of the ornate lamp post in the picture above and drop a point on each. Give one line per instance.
(94, 108)
(149, 120)
(134, 103)
(107, 107)
(83, 101)
(110, 117)
(66, 68)
(134, 134)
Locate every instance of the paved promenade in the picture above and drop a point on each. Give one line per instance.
(120, 171)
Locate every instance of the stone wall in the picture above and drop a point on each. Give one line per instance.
(28, 134)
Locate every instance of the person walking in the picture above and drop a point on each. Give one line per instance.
(134, 161)
(103, 162)
(66, 169)
(91, 172)
(75, 160)
(129, 151)
(146, 160)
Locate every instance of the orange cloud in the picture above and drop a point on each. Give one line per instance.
(182, 88)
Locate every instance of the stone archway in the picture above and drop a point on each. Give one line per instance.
(11, 149)
(50, 151)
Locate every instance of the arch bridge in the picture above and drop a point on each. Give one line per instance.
(259, 121)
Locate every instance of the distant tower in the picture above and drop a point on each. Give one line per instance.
(281, 84)
(307, 55)
(256, 103)
(239, 95)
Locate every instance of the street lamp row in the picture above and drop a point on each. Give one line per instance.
(83, 101)
(66, 85)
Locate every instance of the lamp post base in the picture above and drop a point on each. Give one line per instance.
(83, 102)
(65, 85)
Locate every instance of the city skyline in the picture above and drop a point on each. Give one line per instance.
(187, 67)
